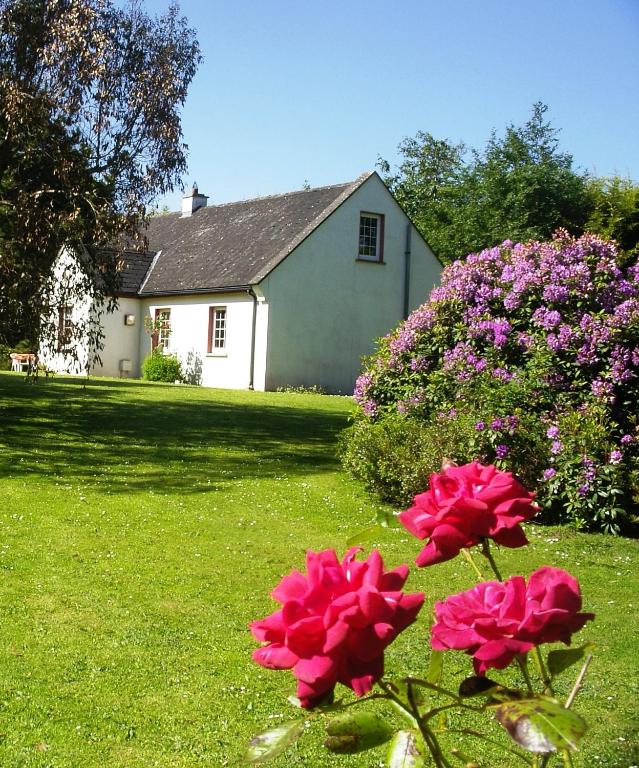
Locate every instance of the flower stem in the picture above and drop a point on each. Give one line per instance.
(473, 564)
(485, 550)
(578, 682)
(412, 710)
(522, 660)
(545, 677)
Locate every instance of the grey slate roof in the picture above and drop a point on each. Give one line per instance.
(236, 244)
(134, 269)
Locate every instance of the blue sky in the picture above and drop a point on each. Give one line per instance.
(296, 90)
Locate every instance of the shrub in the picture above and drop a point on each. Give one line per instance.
(160, 367)
(526, 356)
(5, 359)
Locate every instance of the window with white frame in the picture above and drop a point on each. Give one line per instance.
(371, 236)
(162, 334)
(217, 329)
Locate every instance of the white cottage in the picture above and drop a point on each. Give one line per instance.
(285, 290)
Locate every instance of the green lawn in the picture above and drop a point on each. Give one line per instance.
(142, 527)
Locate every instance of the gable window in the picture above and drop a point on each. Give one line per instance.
(162, 328)
(371, 237)
(65, 326)
(217, 330)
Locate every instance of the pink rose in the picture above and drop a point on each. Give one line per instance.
(335, 623)
(464, 505)
(494, 621)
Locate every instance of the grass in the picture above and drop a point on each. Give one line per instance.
(143, 526)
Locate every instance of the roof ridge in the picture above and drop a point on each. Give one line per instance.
(283, 194)
(356, 181)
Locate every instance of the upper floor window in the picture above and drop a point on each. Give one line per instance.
(371, 237)
(217, 329)
(162, 329)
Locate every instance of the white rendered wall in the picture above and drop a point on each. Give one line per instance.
(326, 308)
(121, 342)
(64, 271)
(230, 368)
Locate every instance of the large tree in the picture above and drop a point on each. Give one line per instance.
(519, 187)
(615, 211)
(90, 100)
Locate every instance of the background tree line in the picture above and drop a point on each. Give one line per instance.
(519, 187)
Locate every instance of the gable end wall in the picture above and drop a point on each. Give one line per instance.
(326, 308)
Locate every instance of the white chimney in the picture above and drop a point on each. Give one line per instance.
(190, 203)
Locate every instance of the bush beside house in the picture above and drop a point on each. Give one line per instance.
(159, 366)
(526, 356)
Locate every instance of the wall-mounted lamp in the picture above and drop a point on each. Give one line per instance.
(129, 319)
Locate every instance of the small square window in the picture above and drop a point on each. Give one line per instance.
(217, 329)
(371, 237)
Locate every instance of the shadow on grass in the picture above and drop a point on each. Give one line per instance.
(133, 436)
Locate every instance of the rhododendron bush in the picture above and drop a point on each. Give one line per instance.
(336, 620)
(526, 356)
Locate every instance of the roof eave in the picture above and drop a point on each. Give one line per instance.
(196, 291)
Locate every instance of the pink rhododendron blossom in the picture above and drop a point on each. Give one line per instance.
(494, 621)
(464, 505)
(335, 623)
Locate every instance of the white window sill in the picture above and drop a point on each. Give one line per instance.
(217, 353)
(370, 260)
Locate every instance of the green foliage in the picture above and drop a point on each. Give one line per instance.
(520, 186)
(403, 751)
(301, 389)
(525, 357)
(161, 367)
(541, 724)
(615, 211)
(576, 492)
(269, 744)
(5, 360)
(395, 456)
(356, 732)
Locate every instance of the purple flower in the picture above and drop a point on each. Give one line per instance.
(601, 388)
(370, 409)
(549, 473)
(552, 432)
(497, 424)
(627, 440)
(502, 374)
(556, 447)
(480, 426)
(616, 456)
(583, 489)
(501, 451)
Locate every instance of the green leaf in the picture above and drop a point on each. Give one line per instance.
(365, 535)
(541, 724)
(558, 661)
(400, 687)
(387, 519)
(403, 751)
(477, 685)
(356, 732)
(435, 667)
(269, 744)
